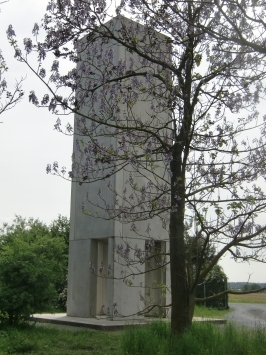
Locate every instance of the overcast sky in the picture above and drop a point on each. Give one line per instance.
(27, 139)
(28, 142)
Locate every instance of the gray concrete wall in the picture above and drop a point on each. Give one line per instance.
(93, 238)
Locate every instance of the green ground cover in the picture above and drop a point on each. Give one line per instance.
(201, 311)
(50, 341)
(153, 339)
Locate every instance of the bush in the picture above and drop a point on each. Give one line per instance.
(32, 265)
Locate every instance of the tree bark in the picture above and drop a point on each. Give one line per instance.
(179, 286)
(191, 306)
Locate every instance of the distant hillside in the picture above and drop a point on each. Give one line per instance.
(239, 285)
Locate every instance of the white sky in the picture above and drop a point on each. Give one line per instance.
(27, 139)
(28, 142)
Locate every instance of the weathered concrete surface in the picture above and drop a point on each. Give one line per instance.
(252, 315)
(92, 240)
(103, 324)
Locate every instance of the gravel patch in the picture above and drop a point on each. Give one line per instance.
(248, 315)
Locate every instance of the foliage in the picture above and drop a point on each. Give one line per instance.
(33, 264)
(216, 272)
(22, 227)
(60, 228)
(200, 85)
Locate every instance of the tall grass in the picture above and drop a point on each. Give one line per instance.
(201, 339)
(152, 339)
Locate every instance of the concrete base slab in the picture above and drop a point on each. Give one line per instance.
(103, 323)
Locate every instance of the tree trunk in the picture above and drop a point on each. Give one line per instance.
(191, 306)
(179, 288)
(180, 320)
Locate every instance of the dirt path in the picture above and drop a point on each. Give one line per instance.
(248, 314)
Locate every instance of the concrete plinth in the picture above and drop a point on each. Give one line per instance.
(103, 324)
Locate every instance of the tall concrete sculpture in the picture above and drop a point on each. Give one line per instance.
(100, 280)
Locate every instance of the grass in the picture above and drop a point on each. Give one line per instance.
(152, 339)
(201, 311)
(202, 339)
(249, 298)
(50, 341)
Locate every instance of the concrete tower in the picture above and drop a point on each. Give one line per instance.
(96, 270)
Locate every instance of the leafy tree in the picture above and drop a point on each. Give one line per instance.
(251, 287)
(216, 272)
(32, 268)
(22, 228)
(60, 227)
(209, 85)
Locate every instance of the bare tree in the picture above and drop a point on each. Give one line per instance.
(212, 145)
(8, 99)
(241, 23)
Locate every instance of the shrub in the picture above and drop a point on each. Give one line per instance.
(32, 264)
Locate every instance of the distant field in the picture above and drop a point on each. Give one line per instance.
(251, 298)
